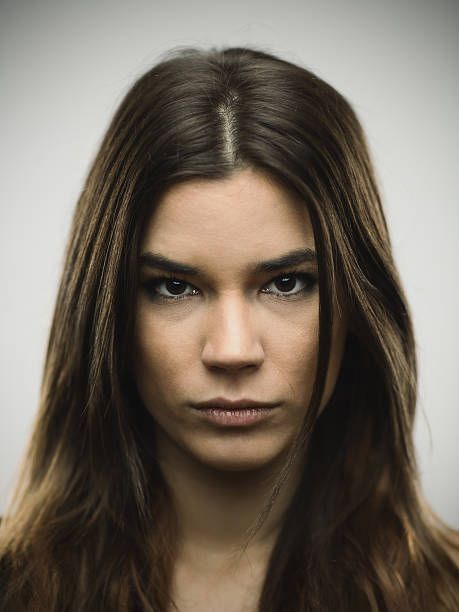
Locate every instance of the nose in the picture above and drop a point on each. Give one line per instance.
(232, 341)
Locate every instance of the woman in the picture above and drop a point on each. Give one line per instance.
(229, 390)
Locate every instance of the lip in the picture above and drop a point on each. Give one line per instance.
(236, 413)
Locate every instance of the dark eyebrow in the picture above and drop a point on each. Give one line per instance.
(155, 260)
(288, 260)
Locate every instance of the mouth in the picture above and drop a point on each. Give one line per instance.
(236, 413)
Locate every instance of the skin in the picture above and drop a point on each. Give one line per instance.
(234, 333)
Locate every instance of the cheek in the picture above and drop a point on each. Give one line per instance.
(161, 354)
(293, 352)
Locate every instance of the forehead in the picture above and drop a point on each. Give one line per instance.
(245, 217)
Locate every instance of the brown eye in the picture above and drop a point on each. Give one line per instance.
(285, 283)
(165, 288)
(175, 286)
(292, 285)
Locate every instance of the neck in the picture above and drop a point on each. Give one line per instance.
(216, 509)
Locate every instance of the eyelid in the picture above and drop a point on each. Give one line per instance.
(293, 272)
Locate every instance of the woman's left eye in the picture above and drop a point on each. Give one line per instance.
(290, 284)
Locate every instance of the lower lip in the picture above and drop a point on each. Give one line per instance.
(235, 418)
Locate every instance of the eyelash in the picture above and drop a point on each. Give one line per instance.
(151, 286)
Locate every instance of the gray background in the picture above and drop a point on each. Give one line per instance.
(64, 69)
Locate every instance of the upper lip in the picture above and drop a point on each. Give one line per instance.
(226, 404)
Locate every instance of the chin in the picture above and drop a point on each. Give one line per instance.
(241, 464)
(243, 457)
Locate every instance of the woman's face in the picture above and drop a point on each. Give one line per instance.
(228, 311)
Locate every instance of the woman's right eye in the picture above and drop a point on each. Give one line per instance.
(169, 288)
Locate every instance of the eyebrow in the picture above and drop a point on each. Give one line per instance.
(287, 260)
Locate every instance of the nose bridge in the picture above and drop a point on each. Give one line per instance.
(231, 336)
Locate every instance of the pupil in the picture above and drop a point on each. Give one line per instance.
(286, 283)
(175, 286)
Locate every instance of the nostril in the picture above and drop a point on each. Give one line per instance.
(230, 367)
(230, 361)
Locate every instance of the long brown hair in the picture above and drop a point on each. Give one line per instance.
(91, 526)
